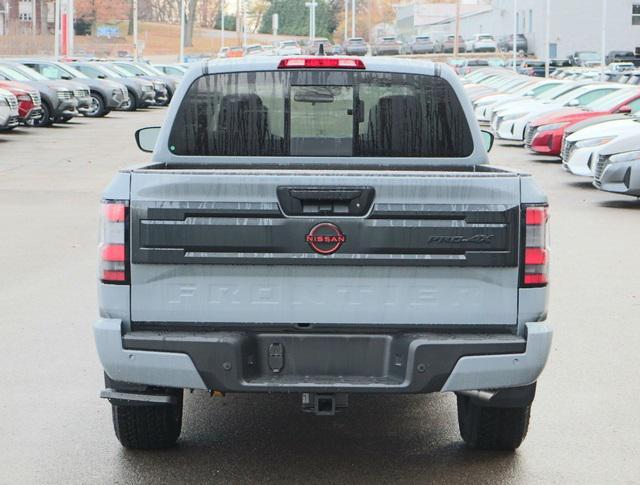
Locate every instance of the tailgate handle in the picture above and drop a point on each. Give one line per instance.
(339, 201)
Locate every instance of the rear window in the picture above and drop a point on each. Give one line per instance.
(321, 114)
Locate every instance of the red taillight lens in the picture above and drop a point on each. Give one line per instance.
(114, 254)
(321, 62)
(536, 251)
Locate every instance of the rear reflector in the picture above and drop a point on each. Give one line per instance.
(113, 250)
(535, 252)
(321, 62)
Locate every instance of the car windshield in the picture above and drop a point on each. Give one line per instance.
(485, 37)
(31, 74)
(558, 91)
(135, 70)
(356, 40)
(13, 74)
(288, 43)
(321, 114)
(150, 70)
(119, 71)
(612, 100)
(74, 72)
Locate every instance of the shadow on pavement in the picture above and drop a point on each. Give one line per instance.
(631, 203)
(268, 438)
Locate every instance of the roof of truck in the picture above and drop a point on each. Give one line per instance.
(270, 63)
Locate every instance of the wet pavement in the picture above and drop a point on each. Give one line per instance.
(585, 425)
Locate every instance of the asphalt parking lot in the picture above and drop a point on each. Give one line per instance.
(585, 424)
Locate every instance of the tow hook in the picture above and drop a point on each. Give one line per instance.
(324, 404)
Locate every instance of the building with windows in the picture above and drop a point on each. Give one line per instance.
(24, 15)
(575, 25)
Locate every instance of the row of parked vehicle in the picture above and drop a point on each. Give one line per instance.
(39, 92)
(593, 127)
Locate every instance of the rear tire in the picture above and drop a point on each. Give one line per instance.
(148, 427)
(492, 428)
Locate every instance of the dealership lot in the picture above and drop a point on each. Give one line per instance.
(586, 428)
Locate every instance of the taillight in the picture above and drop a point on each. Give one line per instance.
(113, 248)
(536, 251)
(321, 62)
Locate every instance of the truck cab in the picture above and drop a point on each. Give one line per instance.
(326, 226)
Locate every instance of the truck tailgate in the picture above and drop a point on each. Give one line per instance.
(242, 247)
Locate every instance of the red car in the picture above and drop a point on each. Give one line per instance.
(544, 135)
(29, 103)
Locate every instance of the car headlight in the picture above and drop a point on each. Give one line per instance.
(551, 127)
(594, 142)
(147, 87)
(4, 102)
(625, 157)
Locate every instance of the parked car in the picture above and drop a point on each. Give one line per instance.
(106, 95)
(312, 48)
(584, 58)
(544, 135)
(174, 70)
(536, 68)
(389, 45)
(505, 43)
(305, 237)
(621, 66)
(583, 147)
(511, 122)
(622, 56)
(29, 102)
(57, 100)
(484, 43)
(484, 106)
(163, 84)
(448, 44)
(141, 92)
(288, 48)
(254, 50)
(9, 115)
(424, 44)
(617, 168)
(356, 46)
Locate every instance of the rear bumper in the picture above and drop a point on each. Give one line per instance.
(238, 361)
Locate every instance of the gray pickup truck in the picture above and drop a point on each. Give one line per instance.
(324, 226)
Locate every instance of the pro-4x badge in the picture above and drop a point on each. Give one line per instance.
(325, 238)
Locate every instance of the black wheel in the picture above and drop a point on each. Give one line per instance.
(492, 428)
(148, 426)
(44, 120)
(132, 104)
(98, 108)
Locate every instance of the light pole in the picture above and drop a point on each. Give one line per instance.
(353, 18)
(56, 30)
(182, 12)
(346, 19)
(221, 24)
(546, 40)
(136, 48)
(71, 13)
(604, 38)
(456, 47)
(244, 24)
(515, 33)
(312, 19)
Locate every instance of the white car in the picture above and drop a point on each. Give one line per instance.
(510, 123)
(288, 48)
(581, 149)
(483, 43)
(8, 110)
(483, 106)
(617, 168)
